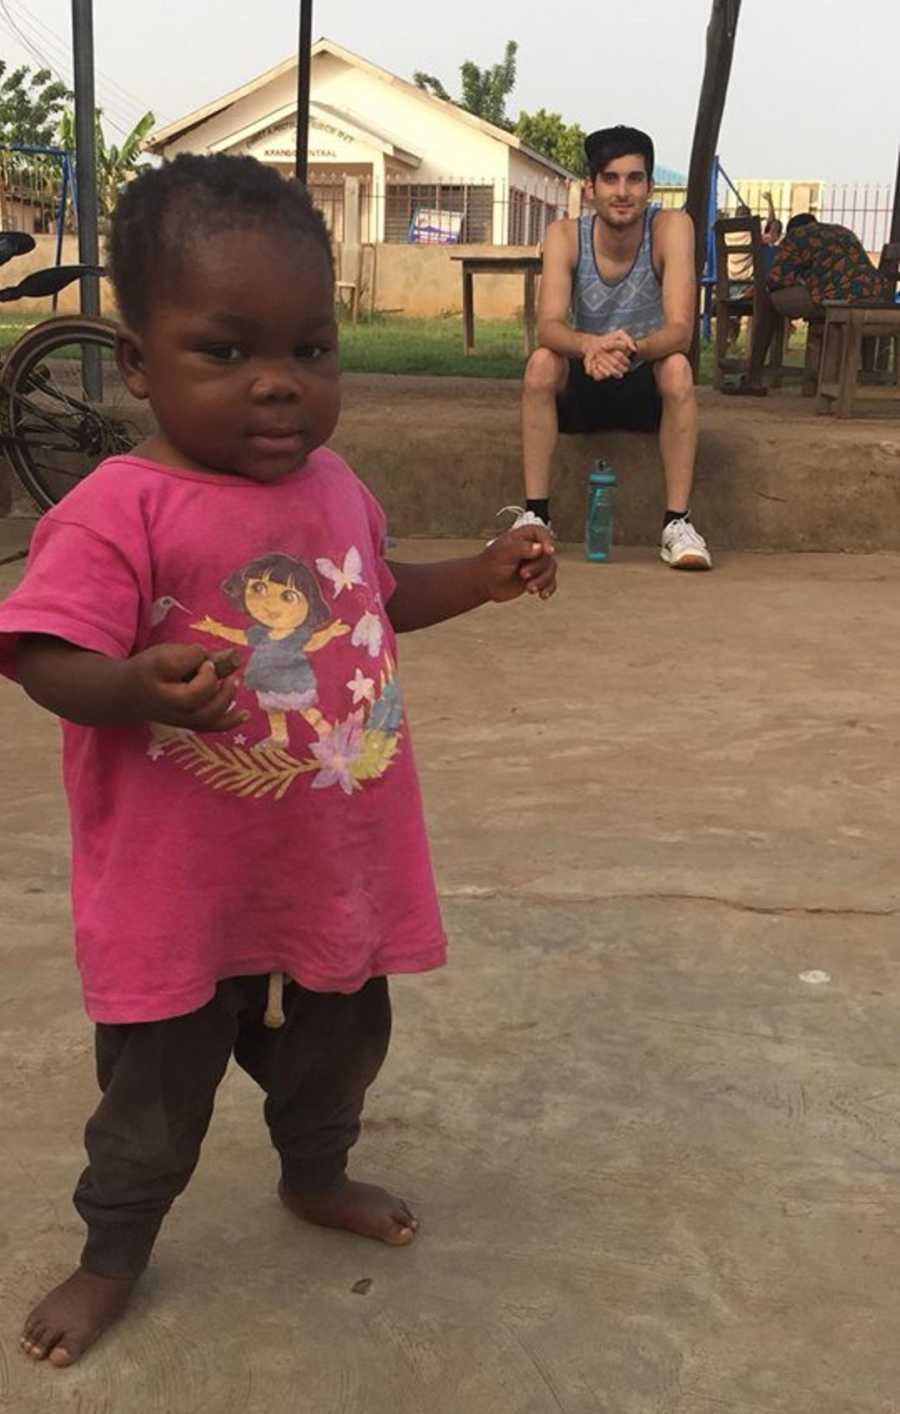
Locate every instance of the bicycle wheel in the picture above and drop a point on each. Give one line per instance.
(64, 406)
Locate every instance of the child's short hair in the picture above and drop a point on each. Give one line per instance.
(167, 207)
(286, 570)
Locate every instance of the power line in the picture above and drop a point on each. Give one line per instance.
(29, 47)
(45, 62)
(112, 108)
(54, 38)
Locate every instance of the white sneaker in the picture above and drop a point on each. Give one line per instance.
(522, 517)
(684, 548)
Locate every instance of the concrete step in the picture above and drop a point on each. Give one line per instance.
(444, 454)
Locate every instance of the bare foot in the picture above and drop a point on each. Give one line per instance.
(357, 1207)
(62, 1326)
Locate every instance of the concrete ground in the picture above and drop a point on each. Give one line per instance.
(657, 1170)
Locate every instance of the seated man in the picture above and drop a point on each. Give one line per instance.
(626, 277)
(814, 263)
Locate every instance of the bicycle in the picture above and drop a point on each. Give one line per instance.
(63, 405)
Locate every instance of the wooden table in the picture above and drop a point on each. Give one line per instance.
(841, 369)
(527, 265)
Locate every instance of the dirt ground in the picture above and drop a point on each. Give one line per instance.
(655, 1161)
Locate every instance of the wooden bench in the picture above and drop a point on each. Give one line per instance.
(851, 330)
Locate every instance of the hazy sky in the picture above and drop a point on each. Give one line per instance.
(814, 88)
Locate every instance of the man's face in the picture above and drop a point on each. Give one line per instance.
(622, 191)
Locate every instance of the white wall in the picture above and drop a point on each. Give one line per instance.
(530, 176)
(451, 148)
(329, 145)
(248, 110)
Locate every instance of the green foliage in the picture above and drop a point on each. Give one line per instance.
(115, 165)
(547, 134)
(431, 85)
(30, 106)
(484, 91)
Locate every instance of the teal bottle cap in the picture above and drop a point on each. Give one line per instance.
(603, 476)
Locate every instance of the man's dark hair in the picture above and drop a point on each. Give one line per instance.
(606, 144)
(803, 218)
(162, 211)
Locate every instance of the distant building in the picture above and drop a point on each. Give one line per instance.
(421, 168)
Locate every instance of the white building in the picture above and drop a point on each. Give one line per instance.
(421, 168)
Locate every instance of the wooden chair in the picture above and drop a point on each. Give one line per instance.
(355, 287)
(728, 306)
(855, 334)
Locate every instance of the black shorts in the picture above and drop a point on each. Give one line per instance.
(631, 404)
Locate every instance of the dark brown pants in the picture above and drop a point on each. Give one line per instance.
(159, 1081)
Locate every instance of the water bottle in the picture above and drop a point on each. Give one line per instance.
(598, 530)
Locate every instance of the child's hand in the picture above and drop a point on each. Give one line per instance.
(520, 560)
(180, 685)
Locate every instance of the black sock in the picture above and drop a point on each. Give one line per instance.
(675, 515)
(540, 508)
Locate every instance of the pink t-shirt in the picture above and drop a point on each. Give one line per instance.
(203, 856)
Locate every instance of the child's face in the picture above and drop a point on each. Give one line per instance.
(278, 606)
(239, 360)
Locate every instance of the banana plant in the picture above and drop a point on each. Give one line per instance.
(115, 165)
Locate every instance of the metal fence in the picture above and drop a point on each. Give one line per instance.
(864, 207)
(475, 211)
(464, 211)
(30, 187)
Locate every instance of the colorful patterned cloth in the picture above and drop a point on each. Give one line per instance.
(830, 261)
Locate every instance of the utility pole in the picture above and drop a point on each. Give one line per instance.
(304, 65)
(720, 37)
(86, 182)
(86, 149)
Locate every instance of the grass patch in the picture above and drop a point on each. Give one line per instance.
(13, 326)
(392, 344)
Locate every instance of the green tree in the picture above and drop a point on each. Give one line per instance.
(484, 91)
(30, 106)
(431, 85)
(549, 135)
(115, 165)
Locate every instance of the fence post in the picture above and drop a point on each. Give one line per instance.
(350, 262)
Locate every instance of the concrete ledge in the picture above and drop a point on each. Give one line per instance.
(443, 455)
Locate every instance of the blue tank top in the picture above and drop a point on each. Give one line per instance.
(633, 303)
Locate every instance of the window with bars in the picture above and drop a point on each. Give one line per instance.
(540, 214)
(328, 197)
(518, 216)
(471, 206)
